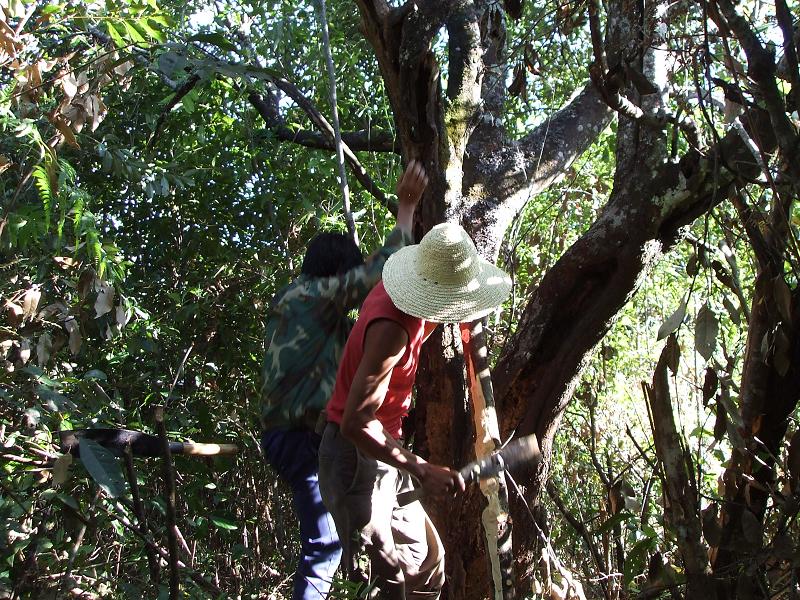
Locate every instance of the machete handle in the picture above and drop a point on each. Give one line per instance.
(194, 449)
(469, 473)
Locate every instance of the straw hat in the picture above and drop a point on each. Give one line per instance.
(443, 279)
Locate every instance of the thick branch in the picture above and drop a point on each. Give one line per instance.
(505, 178)
(463, 94)
(576, 301)
(364, 140)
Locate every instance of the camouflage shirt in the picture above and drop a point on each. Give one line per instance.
(307, 328)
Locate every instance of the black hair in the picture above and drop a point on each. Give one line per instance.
(330, 254)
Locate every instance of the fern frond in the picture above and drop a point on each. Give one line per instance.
(41, 180)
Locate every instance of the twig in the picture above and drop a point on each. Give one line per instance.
(322, 18)
(163, 554)
(76, 546)
(580, 528)
(182, 91)
(138, 510)
(169, 499)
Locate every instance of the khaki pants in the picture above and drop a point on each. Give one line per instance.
(406, 555)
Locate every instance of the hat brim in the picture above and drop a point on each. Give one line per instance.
(439, 302)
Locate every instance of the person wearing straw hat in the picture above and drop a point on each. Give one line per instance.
(305, 336)
(363, 464)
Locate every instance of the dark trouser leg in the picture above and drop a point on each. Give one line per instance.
(293, 454)
(405, 552)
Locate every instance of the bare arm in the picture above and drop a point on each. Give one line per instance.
(384, 345)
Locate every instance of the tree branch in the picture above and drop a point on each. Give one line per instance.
(576, 301)
(322, 123)
(762, 69)
(506, 177)
(364, 140)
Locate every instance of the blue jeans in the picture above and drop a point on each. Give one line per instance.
(293, 454)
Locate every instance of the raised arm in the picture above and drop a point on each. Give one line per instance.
(354, 285)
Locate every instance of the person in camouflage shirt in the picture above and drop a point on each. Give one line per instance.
(306, 332)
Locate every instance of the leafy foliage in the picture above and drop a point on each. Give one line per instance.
(148, 216)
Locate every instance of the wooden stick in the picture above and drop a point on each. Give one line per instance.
(138, 510)
(169, 499)
(193, 575)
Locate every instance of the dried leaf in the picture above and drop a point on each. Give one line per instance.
(783, 298)
(705, 332)
(725, 278)
(74, 331)
(64, 128)
(85, 282)
(65, 262)
(100, 111)
(123, 68)
(710, 384)
(616, 501)
(30, 302)
(691, 265)
(514, 8)
(712, 532)
(721, 423)
(733, 312)
(56, 309)
(731, 111)
(122, 315)
(14, 314)
(673, 322)
(82, 82)
(24, 351)
(752, 528)
(105, 297)
(781, 359)
(61, 469)
(70, 85)
(5, 163)
(519, 84)
(44, 349)
(672, 351)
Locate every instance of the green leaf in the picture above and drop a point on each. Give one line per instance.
(133, 33)
(96, 374)
(170, 63)
(673, 322)
(215, 39)
(706, 328)
(103, 466)
(614, 521)
(144, 25)
(115, 35)
(68, 501)
(223, 523)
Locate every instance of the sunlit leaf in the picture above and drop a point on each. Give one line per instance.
(673, 322)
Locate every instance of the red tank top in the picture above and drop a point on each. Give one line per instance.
(395, 406)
